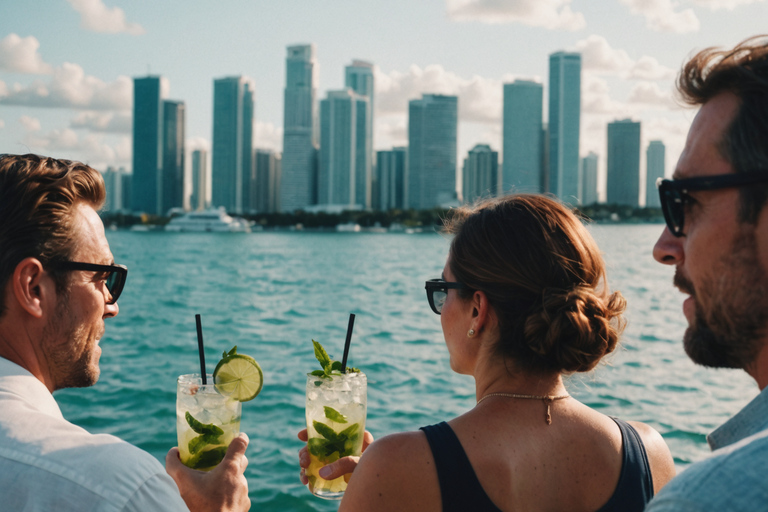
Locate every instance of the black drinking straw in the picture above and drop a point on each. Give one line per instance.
(346, 343)
(200, 348)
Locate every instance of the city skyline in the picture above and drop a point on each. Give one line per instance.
(66, 68)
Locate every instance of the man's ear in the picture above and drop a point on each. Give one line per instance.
(30, 285)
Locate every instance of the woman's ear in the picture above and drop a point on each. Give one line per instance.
(30, 285)
(481, 311)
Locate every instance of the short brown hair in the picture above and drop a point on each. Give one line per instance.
(544, 277)
(742, 71)
(37, 198)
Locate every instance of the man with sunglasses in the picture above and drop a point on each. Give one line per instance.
(717, 239)
(58, 284)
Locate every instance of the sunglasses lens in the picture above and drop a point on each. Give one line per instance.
(438, 299)
(672, 206)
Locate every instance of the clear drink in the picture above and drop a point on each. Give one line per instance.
(206, 422)
(336, 409)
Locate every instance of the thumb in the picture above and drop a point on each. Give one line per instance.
(236, 452)
(340, 467)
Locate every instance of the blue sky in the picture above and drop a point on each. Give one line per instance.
(66, 65)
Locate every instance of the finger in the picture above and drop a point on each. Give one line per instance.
(303, 477)
(172, 462)
(367, 439)
(303, 435)
(304, 458)
(339, 468)
(236, 453)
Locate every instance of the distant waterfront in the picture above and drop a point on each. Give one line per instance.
(270, 293)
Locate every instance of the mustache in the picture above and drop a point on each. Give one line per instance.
(683, 283)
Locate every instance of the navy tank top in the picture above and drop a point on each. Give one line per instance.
(461, 490)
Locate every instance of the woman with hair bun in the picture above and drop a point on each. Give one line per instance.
(523, 299)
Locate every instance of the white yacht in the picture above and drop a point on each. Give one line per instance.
(213, 220)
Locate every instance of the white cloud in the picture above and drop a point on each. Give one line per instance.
(730, 5)
(30, 124)
(391, 131)
(550, 14)
(194, 143)
(269, 136)
(97, 17)
(479, 98)
(660, 15)
(107, 122)
(92, 149)
(650, 94)
(598, 56)
(20, 55)
(596, 98)
(70, 87)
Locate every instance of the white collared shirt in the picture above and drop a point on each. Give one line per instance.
(48, 463)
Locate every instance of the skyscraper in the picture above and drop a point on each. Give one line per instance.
(654, 162)
(232, 169)
(173, 156)
(390, 166)
(200, 180)
(299, 167)
(480, 173)
(113, 183)
(624, 163)
(523, 138)
(432, 130)
(564, 122)
(359, 77)
(147, 145)
(589, 179)
(344, 164)
(267, 180)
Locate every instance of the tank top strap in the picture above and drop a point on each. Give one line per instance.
(635, 487)
(460, 489)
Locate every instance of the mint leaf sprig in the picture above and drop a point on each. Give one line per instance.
(330, 366)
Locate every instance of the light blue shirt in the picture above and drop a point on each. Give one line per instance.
(47, 463)
(735, 477)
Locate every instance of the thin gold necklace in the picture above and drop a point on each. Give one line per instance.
(547, 399)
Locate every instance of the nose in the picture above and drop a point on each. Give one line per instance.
(111, 310)
(668, 249)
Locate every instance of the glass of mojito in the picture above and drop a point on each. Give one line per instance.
(335, 411)
(206, 421)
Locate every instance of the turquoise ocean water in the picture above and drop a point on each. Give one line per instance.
(271, 293)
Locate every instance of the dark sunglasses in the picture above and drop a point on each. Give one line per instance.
(437, 291)
(115, 275)
(674, 193)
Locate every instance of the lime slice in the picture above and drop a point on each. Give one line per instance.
(238, 376)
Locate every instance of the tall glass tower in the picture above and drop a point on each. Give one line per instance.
(298, 185)
(589, 179)
(147, 146)
(232, 169)
(564, 123)
(480, 173)
(523, 138)
(654, 161)
(173, 155)
(200, 180)
(623, 185)
(432, 131)
(359, 77)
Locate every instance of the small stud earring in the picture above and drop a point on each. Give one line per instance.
(470, 333)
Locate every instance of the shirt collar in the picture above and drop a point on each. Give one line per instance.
(753, 418)
(16, 380)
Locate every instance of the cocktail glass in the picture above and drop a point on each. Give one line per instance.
(336, 409)
(206, 422)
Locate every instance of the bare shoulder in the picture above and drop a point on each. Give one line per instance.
(396, 472)
(659, 456)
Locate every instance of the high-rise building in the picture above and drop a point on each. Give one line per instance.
(113, 183)
(480, 173)
(654, 167)
(232, 169)
(344, 171)
(359, 77)
(589, 179)
(390, 166)
(201, 180)
(298, 186)
(267, 180)
(127, 186)
(147, 145)
(563, 126)
(523, 138)
(431, 170)
(173, 156)
(623, 185)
